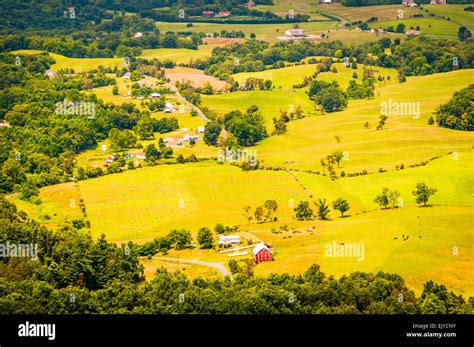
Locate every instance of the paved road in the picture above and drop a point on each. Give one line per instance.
(217, 266)
(182, 99)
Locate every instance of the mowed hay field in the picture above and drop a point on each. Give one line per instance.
(426, 255)
(285, 78)
(428, 26)
(455, 13)
(283, 97)
(196, 77)
(178, 55)
(191, 271)
(143, 204)
(405, 139)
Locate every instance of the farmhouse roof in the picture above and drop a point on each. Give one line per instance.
(260, 247)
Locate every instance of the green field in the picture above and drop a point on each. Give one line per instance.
(429, 26)
(178, 55)
(285, 78)
(267, 32)
(142, 204)
(406, 140)
(455, 13)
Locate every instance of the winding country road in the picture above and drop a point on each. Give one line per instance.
(192, 106)
(182, 99)
(216, 266)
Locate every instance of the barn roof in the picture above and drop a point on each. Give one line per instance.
(259, 247)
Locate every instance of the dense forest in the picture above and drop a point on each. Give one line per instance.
(75, 274)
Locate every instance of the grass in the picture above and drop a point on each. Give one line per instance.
(382, 12)
(269, 102)
(195, 76)
(428, 26)
(178, 55)
(266, 32)
(285, 78)
(283, 96)
(192, 271)
(78, 64)
(405, 140)
(455, 13)
(417, 260)
(143, 204)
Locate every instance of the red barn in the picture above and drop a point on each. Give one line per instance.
(261, 253)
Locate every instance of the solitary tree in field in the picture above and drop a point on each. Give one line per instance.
(259, 212)
(341, 205)
(337, 155)
(322, 209)
(423, 192)
(401, 76)
(205, 238)
(393, 196)
(247, 214)
(271, 206)
(323, 164)
(303, 211)
(382, 120)
(382, 199)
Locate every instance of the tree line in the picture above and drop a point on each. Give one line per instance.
(76, 274)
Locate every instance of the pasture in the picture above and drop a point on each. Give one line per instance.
(407, 138)
(266, 32)
(195, 76)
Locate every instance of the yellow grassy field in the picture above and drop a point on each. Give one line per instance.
(195, 76)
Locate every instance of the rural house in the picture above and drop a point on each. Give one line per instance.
(223, 14)
(51, 73)
(295, 33)
(189, 137)
(229, 240)
(412, 32)
(409, 3)
(261, 253)
(169, 108)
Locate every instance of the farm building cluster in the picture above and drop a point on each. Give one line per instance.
(111, 158)
(180, 140)
(260, 252)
